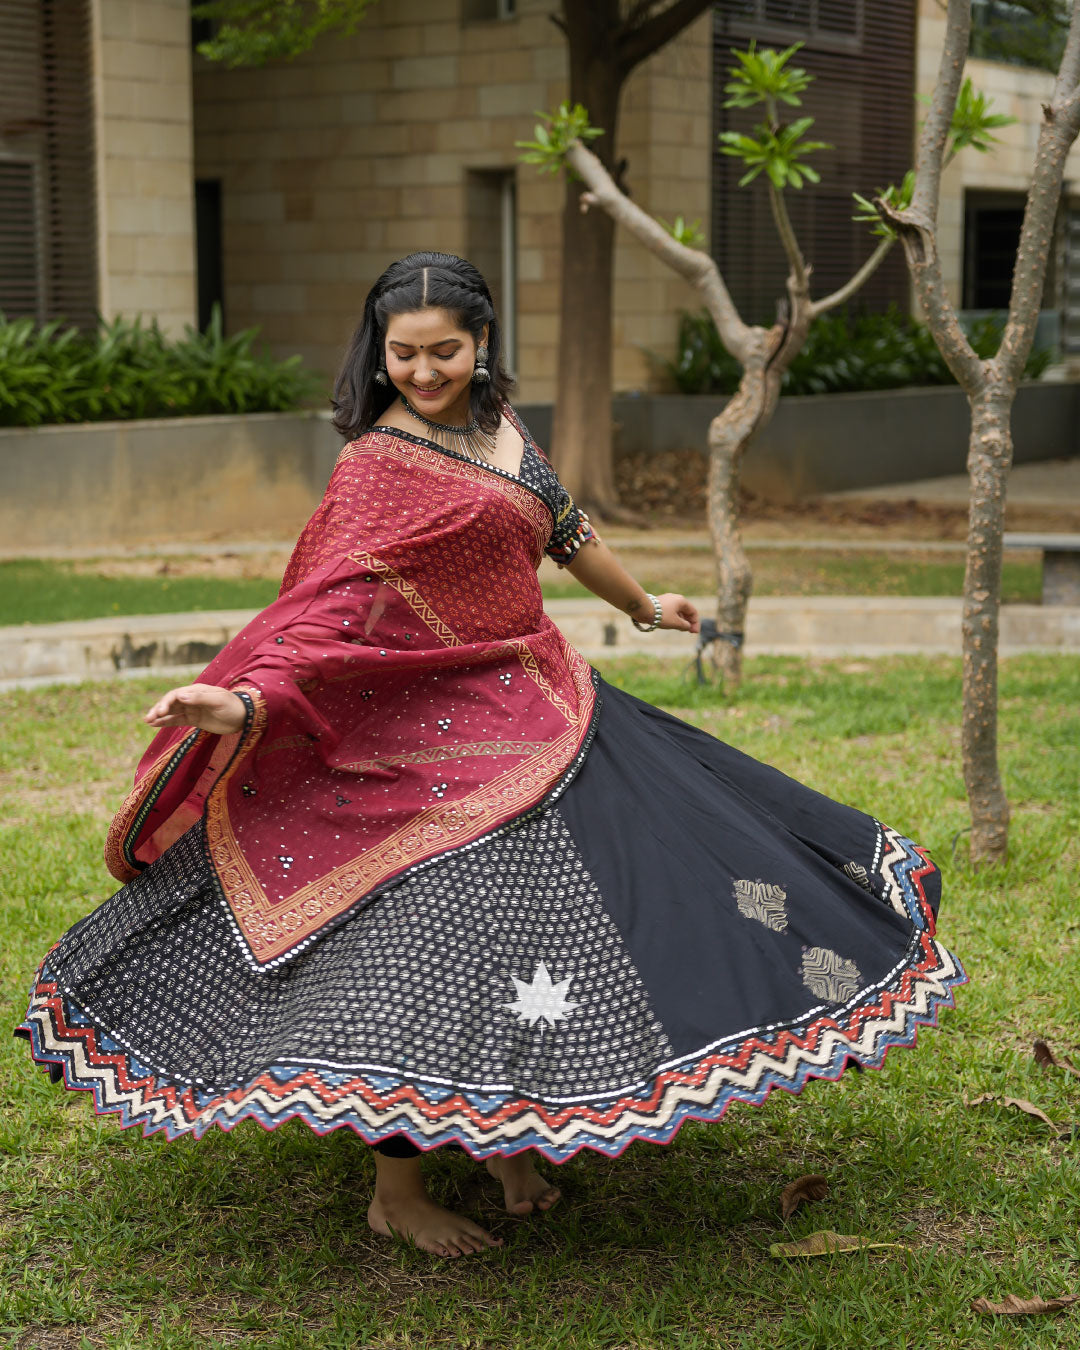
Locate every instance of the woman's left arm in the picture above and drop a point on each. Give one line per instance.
(596, 567)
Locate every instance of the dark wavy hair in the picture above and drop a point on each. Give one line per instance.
(420, 281)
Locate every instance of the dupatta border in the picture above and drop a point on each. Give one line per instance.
(136, 806)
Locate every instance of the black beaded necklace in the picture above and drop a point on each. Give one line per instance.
(468, 440)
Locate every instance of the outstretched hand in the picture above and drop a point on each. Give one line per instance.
(677, 612)
(205, 706)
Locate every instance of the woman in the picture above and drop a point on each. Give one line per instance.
(400, 860)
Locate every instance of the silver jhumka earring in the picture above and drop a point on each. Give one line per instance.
(380, 374)
(481, 374)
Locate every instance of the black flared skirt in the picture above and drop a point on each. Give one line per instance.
(684, 927)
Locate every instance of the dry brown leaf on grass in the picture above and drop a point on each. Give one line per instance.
(824, 1243)
(1011, 1306)
(1021, 1104)
(1045, 1057)
(811, 1187)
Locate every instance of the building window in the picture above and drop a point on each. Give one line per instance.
(485, 11)
(208, 248)
(48, 205)
(1030, 34)
(992, 224)
(823, 23)
(491, 215)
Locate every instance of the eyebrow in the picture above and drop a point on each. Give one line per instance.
(399, 342)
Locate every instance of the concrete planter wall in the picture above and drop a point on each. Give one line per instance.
(199, 479)
(832, 442)
(108, 484)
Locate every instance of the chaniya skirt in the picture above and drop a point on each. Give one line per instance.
(677, 929)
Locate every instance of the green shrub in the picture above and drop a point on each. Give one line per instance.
(125, 370)
(842, 354)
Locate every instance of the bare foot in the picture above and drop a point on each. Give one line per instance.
(402, 1208)
(523, 1187)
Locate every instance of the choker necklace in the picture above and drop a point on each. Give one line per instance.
(467, 440)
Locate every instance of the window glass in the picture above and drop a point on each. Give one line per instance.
(1019, 32)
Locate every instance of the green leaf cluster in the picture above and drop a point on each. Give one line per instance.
(775, 148)
(252, 32)
(554, 134)
(898, 197)
(973, 122)
(765, 77)
(842, 354)
(684, 232)
(126, 369)
(779, 152)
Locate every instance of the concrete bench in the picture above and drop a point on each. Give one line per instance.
(1061, 564)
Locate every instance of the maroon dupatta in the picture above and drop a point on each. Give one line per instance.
(406, 695)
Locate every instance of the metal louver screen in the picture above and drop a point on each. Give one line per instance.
(20, 271)
(862, 56)
(48, 249)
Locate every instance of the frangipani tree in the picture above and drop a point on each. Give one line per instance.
(989, 384)
(781, 151)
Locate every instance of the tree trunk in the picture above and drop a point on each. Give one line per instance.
(989, 459)
(581, 424)
(751, 407)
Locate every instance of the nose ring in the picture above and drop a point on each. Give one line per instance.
(434, 374)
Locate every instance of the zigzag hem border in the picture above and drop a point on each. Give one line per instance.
(376, 1106)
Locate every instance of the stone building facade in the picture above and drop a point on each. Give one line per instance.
(401, 137)
(141, 54)
(284, 191)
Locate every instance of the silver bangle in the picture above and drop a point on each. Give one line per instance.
(658, 614)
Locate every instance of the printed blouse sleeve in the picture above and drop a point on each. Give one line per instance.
(572, 525)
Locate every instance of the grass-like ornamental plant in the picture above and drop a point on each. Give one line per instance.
(127, 369)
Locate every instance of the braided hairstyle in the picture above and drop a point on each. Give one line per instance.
(420, 281)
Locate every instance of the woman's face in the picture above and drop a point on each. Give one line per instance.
(430, 360)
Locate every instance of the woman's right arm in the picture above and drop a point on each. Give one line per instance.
(205, 706)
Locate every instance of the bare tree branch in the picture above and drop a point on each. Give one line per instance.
(935, 130)
(633, 45)
(697, 267)
(1061, 122)
(637, 13)
(920, 246)
(848, 289)
(1071, 104)
(786, 230)
(916, 225)
(1068, 75)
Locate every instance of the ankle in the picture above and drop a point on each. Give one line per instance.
(398, 1180)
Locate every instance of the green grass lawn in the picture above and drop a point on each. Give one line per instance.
(39, 591)
(45, 591)
(255, 1239)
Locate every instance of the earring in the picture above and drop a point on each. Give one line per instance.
(481, 374)
(380, 374)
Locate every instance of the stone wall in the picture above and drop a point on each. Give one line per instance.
(143, 129)
(359, 151)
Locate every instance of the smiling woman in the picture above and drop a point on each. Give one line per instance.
(401, 861)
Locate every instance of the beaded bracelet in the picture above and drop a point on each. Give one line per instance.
(658, 614)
